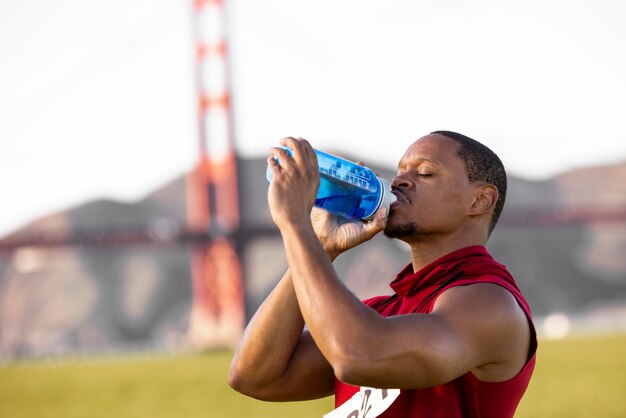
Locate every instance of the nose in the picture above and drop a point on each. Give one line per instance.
(400, 182)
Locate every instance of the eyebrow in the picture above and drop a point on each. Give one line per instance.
(418, 162)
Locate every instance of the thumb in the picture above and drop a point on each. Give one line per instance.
(375, 225)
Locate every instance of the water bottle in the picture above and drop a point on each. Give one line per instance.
(348, 189)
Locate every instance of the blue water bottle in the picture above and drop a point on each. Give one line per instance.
(348, 189)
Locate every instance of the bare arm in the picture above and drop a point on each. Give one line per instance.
(276, 360)
(478, 328)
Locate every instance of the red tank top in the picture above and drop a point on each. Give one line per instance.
(465, 396)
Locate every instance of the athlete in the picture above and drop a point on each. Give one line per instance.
(455, 339)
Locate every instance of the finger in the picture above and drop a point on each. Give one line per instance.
(308, 151)
(377, 224)
(297, 148)
(280, 154)
(273, 164)
(286, 140)
(291, 143)
(362, 164)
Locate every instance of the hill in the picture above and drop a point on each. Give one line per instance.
(107, 275)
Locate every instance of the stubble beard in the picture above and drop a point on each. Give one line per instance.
(400, 231)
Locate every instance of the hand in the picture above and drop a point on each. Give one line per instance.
(338, 235)
(295, 181)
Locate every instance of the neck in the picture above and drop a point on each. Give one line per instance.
(428, 249)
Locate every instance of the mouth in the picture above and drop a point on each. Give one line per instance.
(400, 198)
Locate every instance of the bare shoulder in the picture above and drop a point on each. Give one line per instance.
(492, 302)
(492, 319)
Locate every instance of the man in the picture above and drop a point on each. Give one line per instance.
(456, 337)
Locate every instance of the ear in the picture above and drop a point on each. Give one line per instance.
(485, 198)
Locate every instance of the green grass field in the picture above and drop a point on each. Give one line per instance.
(583, 377)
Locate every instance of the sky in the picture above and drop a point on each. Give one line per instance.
(97, 99)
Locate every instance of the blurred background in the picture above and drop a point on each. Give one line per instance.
(133, 219)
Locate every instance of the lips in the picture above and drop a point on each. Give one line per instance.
(400, 198)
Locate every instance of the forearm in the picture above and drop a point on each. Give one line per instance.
(334, 316)
(269, 340)
(337, 320)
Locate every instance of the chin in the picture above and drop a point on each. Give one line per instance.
(400, 230)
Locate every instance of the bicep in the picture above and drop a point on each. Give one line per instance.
(410, 351)
(469, 327)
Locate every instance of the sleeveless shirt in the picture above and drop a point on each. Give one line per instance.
(466, 396)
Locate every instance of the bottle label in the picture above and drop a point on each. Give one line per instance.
(357, 177)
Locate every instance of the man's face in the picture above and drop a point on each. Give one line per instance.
(433, 190)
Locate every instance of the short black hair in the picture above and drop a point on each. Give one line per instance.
(481, 165)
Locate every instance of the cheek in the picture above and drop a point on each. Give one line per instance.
(446, 205)
(436, 206)
(458, 202)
